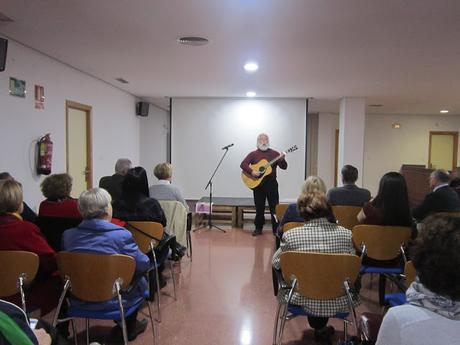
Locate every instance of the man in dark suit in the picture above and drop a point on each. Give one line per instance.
(442, 199)
(349, 194)
(112, 184)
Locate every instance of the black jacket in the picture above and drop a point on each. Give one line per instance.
(445, 199)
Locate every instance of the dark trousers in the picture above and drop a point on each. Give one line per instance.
(267, 191)
(317, 322)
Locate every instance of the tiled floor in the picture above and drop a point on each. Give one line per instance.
(225, 296)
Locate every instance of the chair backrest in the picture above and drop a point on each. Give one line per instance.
(53, 228)
(92, 276)
(347, 216)
(176, 219)
(320, 275)
(13, 264)
(291, 225)
(280, 209)
(145, 233)
(409, 272)
(382, 242)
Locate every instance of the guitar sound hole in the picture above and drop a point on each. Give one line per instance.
(261, 170)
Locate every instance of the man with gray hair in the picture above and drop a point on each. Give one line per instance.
(113, 183)
(442, 199)
(97, 235)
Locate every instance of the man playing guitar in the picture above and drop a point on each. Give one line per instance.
(268, 188)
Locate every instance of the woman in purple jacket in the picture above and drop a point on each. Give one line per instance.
(97, 235)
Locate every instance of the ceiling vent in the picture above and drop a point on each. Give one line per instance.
(5, 19)
(121, 80)
(193, 40)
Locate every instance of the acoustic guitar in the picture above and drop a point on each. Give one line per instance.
(264, 167)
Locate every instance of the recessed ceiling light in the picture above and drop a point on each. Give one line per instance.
(250, 94)
(193, 40)
(375, 105)
(251, 67)
(444, 111)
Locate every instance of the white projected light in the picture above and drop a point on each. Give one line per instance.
(250, 94)
(444, 111)
(251, 67)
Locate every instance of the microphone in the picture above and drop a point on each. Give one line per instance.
(226, 147)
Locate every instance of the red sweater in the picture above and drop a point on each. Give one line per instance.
(257, 155)
(17, 234)
(67, 208)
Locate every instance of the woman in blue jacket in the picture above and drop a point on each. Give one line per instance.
(97, 235)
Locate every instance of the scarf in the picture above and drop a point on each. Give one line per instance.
(417, 294)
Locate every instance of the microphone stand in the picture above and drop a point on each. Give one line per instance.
(209, 184)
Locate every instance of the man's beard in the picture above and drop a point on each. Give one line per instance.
(263, 147)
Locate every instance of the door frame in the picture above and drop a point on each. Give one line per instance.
(89, 143)
(455, 150)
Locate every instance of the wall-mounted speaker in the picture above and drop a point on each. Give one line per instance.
(3, 49)
(142, 109)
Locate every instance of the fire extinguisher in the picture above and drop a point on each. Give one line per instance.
(45, 155)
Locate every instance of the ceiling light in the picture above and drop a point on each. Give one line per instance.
(375, 105)
(193, 40)
(250, 94)
(121, 80)
(251, 67)
(444, 111)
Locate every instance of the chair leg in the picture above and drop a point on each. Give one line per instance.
(173, 279)
(152, 324)
(275, 328)
(122, 313)
(87, 331)
(283, 322)
(157, 276)
(74, 331)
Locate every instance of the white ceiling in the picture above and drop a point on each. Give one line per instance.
(404, 54)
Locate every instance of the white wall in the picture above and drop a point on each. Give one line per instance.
(201, 127)
(153, 140)
(115, 128)
(386, 149)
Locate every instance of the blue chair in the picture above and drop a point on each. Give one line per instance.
(399, 298)
(381, 243)
(97, 278)
(148, 237)
(316, 276)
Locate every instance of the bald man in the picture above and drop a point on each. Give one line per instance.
(268, 189)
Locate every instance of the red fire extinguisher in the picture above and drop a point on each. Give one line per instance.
(45, 155)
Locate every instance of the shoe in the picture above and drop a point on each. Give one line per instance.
(324, 334)
(137, 329)
(257, 232)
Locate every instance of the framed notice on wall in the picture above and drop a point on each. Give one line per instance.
(17, 87)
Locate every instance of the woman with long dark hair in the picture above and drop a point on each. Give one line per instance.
(391, 205)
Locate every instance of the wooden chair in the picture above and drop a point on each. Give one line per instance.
(96, 278)
(381, 243)
(317, 276)
(148, 236)
(17, 268)
(280, 209)
(291, 225)
(347, 216)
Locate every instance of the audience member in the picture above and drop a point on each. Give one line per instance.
(164, 190)
(442, 199)
(391, 205)
(27, 213)
(318, 234)
(349, 194)
(56, 189)
(455, 184)
(432, 312)
(311, 184)
(17, 234)
(96, 234)
(113, 183)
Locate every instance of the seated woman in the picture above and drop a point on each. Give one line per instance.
(311, 184)
(27, 213)
(56, 189)
(318, 234)
(96, 234)
(432, 312)
(164, 190)
(390, 206)
(17, 234)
